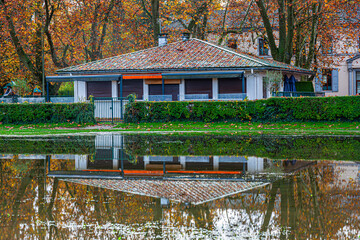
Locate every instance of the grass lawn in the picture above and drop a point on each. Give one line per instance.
(301, 128)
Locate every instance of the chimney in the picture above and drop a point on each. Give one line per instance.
(232, 43)
(185, 36)
(162, 39)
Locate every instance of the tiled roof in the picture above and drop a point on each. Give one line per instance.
(191, 55)
(191, 191)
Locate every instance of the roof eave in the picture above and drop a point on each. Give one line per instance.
(163, 70)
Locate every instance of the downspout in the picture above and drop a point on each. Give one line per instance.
(350, 72)
(121, 86)
(163, 86)
(243, 83)
(47, 92)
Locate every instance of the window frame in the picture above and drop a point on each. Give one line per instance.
(328, 86)
(263, 47)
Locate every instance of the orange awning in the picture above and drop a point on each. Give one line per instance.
(143, 76)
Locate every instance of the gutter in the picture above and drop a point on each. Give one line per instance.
(167, 70)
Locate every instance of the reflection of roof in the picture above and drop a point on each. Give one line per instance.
(191, 55)
(191, 191)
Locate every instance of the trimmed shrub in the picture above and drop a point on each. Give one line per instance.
(304, 86)
(265, 110)
(46, 113)
(48, 145)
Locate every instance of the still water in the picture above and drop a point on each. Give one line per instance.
(179, 187)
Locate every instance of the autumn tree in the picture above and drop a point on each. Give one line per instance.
(297, 31)
(23, 26)
(56, 33)
(193, 16)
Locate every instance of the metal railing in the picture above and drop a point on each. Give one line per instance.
(36, 99)
(298, 94)
(232, 96)
(109, 108)
(199, 97)
(196, 96)
(160, 98)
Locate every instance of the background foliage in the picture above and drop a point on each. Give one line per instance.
(71, 32)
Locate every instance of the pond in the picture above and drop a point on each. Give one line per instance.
(112, 186)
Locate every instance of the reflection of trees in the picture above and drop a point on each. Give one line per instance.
(35, 207)
(311, 204)
(309, 208)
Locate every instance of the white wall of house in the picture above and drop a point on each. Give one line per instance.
(81, 162)
(215, 88)
(80, 91)
(254, 85)
(255, 164)
(343, 89)
(346, 77)
(145, 91)
(114, 88)
(182, 90)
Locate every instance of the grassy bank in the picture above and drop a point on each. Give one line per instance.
(307, 128)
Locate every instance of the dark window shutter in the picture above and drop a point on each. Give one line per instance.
(170, 89)
(335, 80)
(231, 85)
(199, 86)
(132, 86)
(99, 89)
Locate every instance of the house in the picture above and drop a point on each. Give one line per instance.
(342, 76)
(190, 69)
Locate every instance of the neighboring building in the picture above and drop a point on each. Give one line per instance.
(342, 76)
(190, 69)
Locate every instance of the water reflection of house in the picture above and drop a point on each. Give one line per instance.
(110, 154)
(187, 191)
(344, 172)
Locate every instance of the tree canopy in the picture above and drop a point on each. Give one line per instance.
(61, 33)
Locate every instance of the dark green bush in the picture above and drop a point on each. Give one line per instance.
(46, 113)
(266, 110)
(304, 86)
(48, 145)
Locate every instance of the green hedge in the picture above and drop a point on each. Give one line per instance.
(274, 147)
(304, 86)
(266, 110)
(46, 113)
(48, 145)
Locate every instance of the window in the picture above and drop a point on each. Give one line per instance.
(326, 79)
(327, 46)
(99, 89)
(263, 47)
